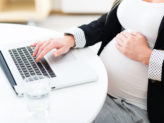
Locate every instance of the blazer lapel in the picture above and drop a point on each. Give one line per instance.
(159, 43)
(161, 25)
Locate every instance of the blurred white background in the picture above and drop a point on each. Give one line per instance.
(58, 15)
(82, 6)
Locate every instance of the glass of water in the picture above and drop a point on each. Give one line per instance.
(37, 96)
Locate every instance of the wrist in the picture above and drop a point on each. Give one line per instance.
(70, 39)
(146, 56)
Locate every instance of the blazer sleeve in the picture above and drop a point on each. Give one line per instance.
(106, 27)
(156, 63)
(102, 29)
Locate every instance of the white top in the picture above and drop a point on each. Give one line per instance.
(128, 79)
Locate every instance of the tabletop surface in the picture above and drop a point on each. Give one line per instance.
(78, 104)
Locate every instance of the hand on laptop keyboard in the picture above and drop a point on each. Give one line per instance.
(62, 46)
(27, 67)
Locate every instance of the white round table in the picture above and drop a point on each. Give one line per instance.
(78, 104)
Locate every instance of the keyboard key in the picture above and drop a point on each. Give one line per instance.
(27, 66)
(48, 68)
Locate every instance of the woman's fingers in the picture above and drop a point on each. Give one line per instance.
(120, 38)
(119, 43)
(43, 47)
(129, 34)
(118, 46)
(33, 45)
(44, 52)
(37, 47)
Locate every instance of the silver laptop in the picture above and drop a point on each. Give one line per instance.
(65, 71)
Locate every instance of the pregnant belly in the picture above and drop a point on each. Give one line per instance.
(127, 78)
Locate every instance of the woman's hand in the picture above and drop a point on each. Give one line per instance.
(62, 46)
(134, 46)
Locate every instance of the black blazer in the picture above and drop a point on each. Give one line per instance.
(105, 29)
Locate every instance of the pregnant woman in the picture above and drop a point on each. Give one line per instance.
(132, 36)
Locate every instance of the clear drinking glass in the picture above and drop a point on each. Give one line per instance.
(37, 96)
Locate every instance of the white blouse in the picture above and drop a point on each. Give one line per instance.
(128, 79)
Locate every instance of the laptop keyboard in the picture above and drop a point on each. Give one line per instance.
(27, 67)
